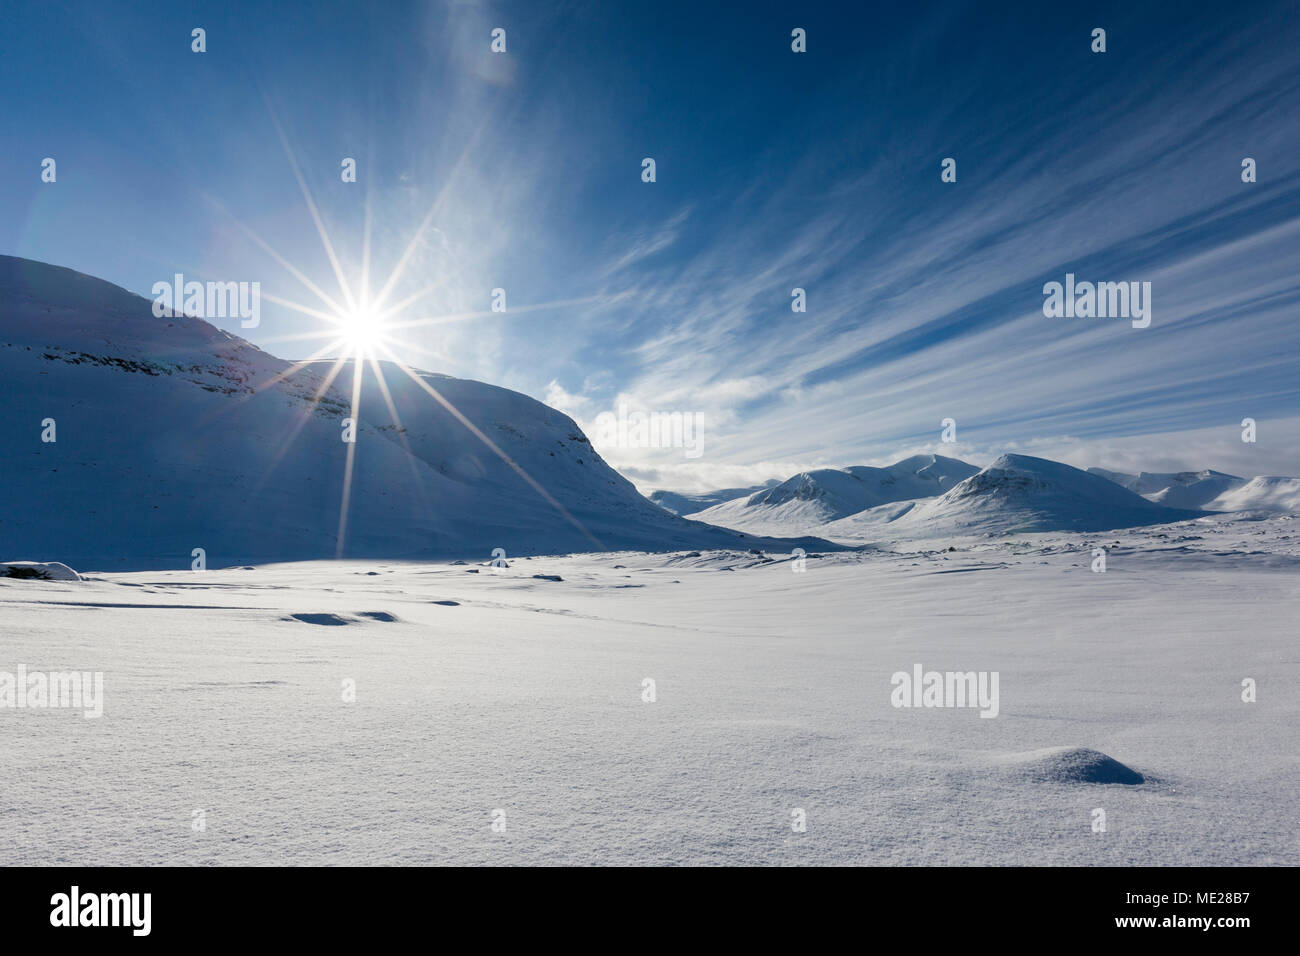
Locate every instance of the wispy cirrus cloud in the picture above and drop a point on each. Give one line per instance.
(775, 170)
(924, 299)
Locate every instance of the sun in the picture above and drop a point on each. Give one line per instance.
(362, 331)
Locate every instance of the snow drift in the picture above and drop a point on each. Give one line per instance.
(38, 571)
(1067, 765)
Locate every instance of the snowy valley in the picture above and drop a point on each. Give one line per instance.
(621, 684)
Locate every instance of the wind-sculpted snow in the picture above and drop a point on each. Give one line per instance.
(511, 689)
(38, 571)
(1072, 765)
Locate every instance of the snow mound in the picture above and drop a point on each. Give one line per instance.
(1264, 493)
(1072, 765)
(38, 571)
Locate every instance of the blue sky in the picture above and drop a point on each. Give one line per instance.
(775, 170)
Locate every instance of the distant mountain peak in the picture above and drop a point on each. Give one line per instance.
(1180, 489)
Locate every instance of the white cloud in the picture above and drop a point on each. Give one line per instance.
(565, 401)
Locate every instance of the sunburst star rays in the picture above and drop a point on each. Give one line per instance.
(359, 329)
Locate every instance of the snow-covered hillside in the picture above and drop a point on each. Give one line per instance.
(171, 435)
(1263, 493)
(688, 504)
(132, 441)
(1182, 489)
(1019, 494)
(932, 496)
(815, 498)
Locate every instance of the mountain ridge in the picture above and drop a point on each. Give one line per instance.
(1164, 497)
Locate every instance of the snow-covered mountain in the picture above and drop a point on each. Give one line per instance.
(1182, 489)
(917, 477)
(1019, 493)
(131, 441)
(1263, 493)
(815, 498)
(1211, 490)
(170, 435)
(686, 504)
(931, 496)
